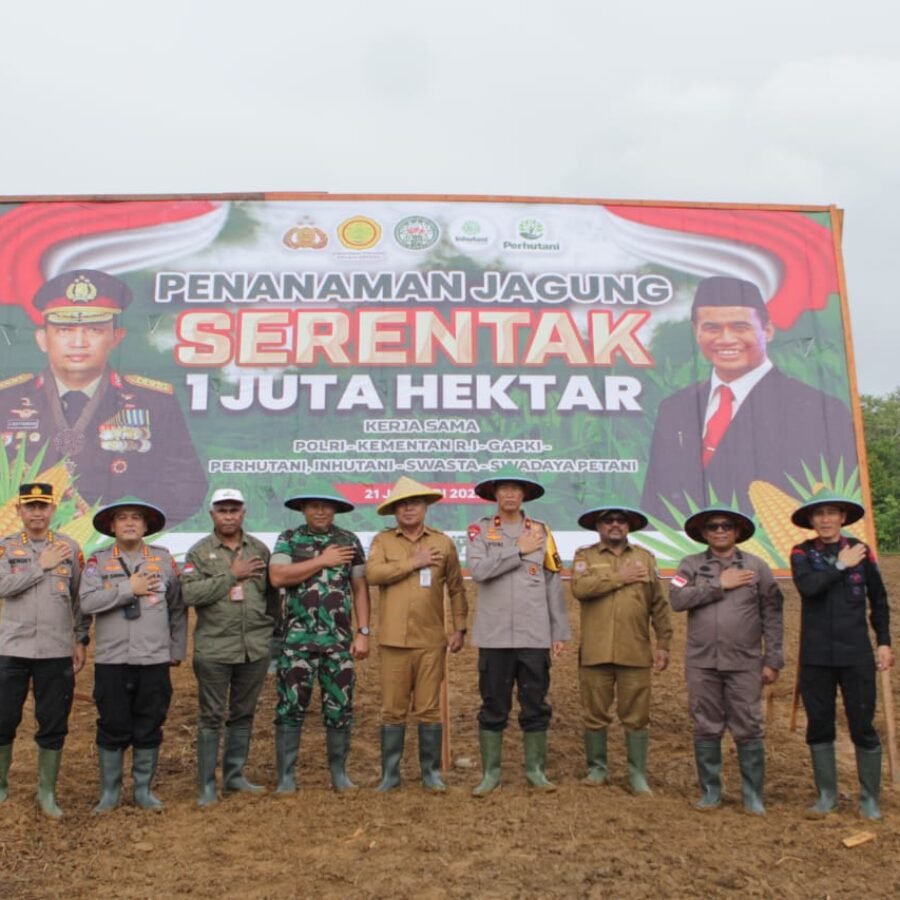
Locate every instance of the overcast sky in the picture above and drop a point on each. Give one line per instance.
(764, 102)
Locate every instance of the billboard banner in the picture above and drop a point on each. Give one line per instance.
(648, 355)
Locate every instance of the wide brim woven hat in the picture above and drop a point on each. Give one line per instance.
(636, 519)
(153, 516)
(694, 525)
(487, 489)
(408, 488)
(319, 491)
(852, 510)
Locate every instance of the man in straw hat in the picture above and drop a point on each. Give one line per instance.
(42, 636)
(323, 568)
(734, 638)
(133, 590)
(520, 618)
(412, 564)
(620, 593)
(226, 580)
(119, 433)
(834, 575)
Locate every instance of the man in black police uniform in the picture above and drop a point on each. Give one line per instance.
(120, 434)
(834, 574)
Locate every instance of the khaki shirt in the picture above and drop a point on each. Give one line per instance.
(411, 613)
(616, 617)
(40, 615)
(727, 629)
(234, 624)
(521, 603)
(159, 634)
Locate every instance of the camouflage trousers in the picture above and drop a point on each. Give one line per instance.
(298, 671)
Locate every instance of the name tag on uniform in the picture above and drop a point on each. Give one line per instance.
(425, 577)
(236, 594)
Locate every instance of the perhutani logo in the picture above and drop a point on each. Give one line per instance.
(416, 233)
(471, 233)
(359, 233)
(531, 231)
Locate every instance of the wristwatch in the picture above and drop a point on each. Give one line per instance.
(364, 631)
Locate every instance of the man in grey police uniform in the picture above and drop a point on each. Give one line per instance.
(119, 433)
(42, 636)
(520, 618)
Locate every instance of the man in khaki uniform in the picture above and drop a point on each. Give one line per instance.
(43, 636)
(620, 593)
(412, 564)
(520, 620)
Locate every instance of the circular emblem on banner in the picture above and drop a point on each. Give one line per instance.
(359, 233)
(472, 233)
(531, 229)
(416, 233)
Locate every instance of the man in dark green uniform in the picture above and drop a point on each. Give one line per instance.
(323, 569)
(119, 434)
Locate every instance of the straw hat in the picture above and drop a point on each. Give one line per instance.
(853, 510)
(153, 516)
(407, 488)
(636, 519)
(487, 489)
(694, 526)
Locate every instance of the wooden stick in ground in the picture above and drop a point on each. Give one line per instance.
(445, 716)
(795, 699)
(890, 724)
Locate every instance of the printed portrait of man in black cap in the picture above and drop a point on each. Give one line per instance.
(119, 433)
(748, 421)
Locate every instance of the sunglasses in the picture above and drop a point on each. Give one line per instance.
(614, 520)
(719, 526)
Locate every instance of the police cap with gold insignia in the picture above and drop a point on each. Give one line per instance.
(82, 297)
(36, 492)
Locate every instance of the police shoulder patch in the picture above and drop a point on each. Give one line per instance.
(151, 384)
(15, 380)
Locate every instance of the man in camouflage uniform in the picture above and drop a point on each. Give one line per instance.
(118, 433)
(42, 636)
(323, 568)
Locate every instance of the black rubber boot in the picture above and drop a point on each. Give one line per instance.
(708, 757)
(5, 762)
(110, 763)
(491, 744)
(752, 762)
(143, 768)
(234, 758)
(207, 760)
(393, 738)
(287, 747)
(430, 739)
(337, 744)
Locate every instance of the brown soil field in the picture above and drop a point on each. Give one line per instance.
(577, 842)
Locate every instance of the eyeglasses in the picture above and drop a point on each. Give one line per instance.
(719, 526)
(614, 520)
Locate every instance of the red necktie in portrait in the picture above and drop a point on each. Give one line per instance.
(718, 423)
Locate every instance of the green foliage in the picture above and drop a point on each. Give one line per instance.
(881, 422)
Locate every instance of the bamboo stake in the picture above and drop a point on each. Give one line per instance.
(887, 698)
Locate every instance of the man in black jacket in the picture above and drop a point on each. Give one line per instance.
(747, 422)
(834, 575)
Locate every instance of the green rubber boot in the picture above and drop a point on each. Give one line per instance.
(637, 744)
(752, 763)
(430, 740)
(143, 768)
(868, 768)
(234, 758)
(48, 772)
(287, 748)
(708, 757)
(5, 762)
(392, 739)
(595, 753)
(207, 760)
(110, 765)
(337, 743)
(491, 745)
(536, 760)
(825, 774)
